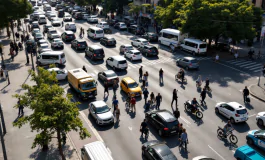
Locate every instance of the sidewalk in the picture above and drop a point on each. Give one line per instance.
(18, 141)
(258, 91)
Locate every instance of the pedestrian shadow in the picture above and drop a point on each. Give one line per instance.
(209, 94)
(203, 106)
(18, 117)
(184, 153)
(249, 106)
(105, 98)
(3, 89)
(183, 87)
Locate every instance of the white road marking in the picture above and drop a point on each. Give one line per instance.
(250, 65)
(130, 128)
(131, 65)
(240, 63)
(186, 121)
(216, 152)
(95, 71)
(251, 115)
(258, 70)
(233, 68)
(259, 67)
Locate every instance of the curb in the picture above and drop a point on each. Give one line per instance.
(261, 99)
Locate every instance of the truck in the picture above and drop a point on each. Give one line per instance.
(82, 83)
(247, 153)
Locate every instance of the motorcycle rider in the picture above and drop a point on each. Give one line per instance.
(194, 105)
(227, 127)
(182, 75)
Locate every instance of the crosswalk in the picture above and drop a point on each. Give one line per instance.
(252, 66)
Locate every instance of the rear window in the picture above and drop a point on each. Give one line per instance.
(172, 124)
(99, 32)
(153, 49)
(122, 62)
(82, 43)
(241, 111)
(53, 32)
(123, 24)
(203, 45)
(99, 51)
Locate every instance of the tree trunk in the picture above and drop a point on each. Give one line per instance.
(60, 144)
(216, 39)
(94, 7)
(210, 43)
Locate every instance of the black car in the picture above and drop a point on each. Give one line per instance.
(108, 76)
(137, 30)
(108, 41)
(35, 25)
(150, 36)
(112, 22)
(148, 50)
(222, 46)
(163, 121)
(78, 16)
(46, 27)
(156, 150)
(79, 44)
(68, 36)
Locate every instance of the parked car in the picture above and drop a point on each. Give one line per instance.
(57, 43)
(188, 63)
(108, 76)
(44, 50)
(150, 36)
(102, 25)
(125, 47)
(108, 41)
(117, 62)
(61, 13)
(222, 46)
(257, 138)
(46, 27)
(234, 111)
(95, 52)
(120, 26)
(68, 36)
(92, 19)
(56, 23)
(50, 32)
(139, 42)
(52, 15)
(79, 44)
(38, 36)
(61, 74)
(148, 50)
(260, 118)
(101, 112)
(35, 24)
(35, 31)
(247, 153)
(129, 85)
(133, 55)
(67, 18)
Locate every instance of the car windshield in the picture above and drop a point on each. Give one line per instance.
(203, 45)
(129, 47)
(102, 109)
(123, 25)
(57, 40)
(53, 32)
(44, 46)
(136, 53)
(144, 42)
(88, 85)
(260, 132)
(67, 16)
(133, 85)
(241, 111)
(122, 62)
(82, 43)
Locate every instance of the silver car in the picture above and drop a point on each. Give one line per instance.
(188, 63)
(100, 111)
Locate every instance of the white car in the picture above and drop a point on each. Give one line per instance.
(202, 158)
(42, 47)
(261, 118)
(67, 18)
(92, 18)
(61, 74)
(126, 47)
(85, 16)
(70, 27)
(234, 111)
(45, 50)
(103, 25)
(51, 15)
(57, 43)
(56, 22)
(47, 13)
(55, 35)
(133, 55)
(139, 42)
(100, 111)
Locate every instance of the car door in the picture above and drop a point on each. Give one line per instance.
(230, 111)
(261, 141)
(226, 110)
(222, 109)
(59, 75)
(93, 110)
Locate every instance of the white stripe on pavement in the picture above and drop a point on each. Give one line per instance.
(253, 64)
(238, 61)
(258, 70)
(241, 63)
(259, 67)
(186, 121)
(131, 65)
(216, 152)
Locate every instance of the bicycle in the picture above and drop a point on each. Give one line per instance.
(232, 138)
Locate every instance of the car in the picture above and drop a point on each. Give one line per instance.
(92, 19)
(134, 29)
(156, 150)
(108, 76)
(202, 158)
(95, 52)
(150, 36)
(78, 16)
(129, 85)
(163, 121)
(125, 47)
(102, 25)
(42, 47)
(222, 46)
(52, 15)
(234, 111)
(56, 23)
(260, 118)
(42, 41)
(79, 44)
(39, 3)
(47, 13)
(112, 22)
(133, 55)
(46, 27)
(35, 8)
(85, 16)
(117, 62)
(34, 31)
(188, 63)
(101, 112)
(73, 12)
(139, 42)
(35, 24)
(120, 26)
(70, 27)
(57, 43)
(55, 35)
(38, 36)
(50, 32)
(257, 138)
(61, 74)
(108, 41)
(60, 13)
(247, 153)
(148, 50)
(68, 36)
(67, 18)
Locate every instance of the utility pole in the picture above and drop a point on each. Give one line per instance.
(2, 119)
(27, 56)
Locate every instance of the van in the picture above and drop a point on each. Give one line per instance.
(70, 27)
(47, 7)
(170, 37)
(195, 46)
(95, 32)
(52, 57)
(247, 153)
(95, 52)
(42, 19)
(117, 62)
(95, 151)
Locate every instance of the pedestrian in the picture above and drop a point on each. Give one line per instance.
(83, 32)
(147, 106)
(140, 73)
(62, 23)
(64, 137)
(17, 36)
(180, 130)
(182, 73)
(2, 73)
(184, 139)
(145, 93)
(174, 98)
(115, 103)
(12, 54)
(27, 37)
(161, 73)
(144, 80)
(106, 88)
(203, 95)
(245, 94)
(143, 127)
(20, 108)
(84, 68)
(176, 113)
(236, 55)
(158, 101)
(11, 44)
(216, 58)
(117, 113)
(16, 48)
(22, 38)
(115, 87)
(133, 103)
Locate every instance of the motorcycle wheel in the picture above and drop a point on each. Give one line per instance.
(199, 114)
(220, 133)
(187, 108)
(233, 139)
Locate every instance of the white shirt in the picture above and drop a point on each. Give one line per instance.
(216, 57)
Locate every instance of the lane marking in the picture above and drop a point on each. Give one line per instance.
(259, 67)
(250, 65)
(234, 68)
(130, 128)
(258, 71)
(216, 152)
(95, 71)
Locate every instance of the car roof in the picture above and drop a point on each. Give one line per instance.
(127, 45)
(118, 58)
(98, 104)
(134, 50)
(109, 37)
(51, 29)
(194, 40)
(54, 69)
(57, 39)
(46, 25)
(128, 80)
(96, 47)
(166, 115)
(36, 29)
(44, 44)
(141, 39)
(189, 58)
(109, 72)
(236, 105)
(69, 32)
(164, 151)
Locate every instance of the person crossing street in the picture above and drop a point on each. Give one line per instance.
(145, 93)
(161, 74)
(245, 94)
(174, 98)
(203, 95)
(158, 101)
(140, 73)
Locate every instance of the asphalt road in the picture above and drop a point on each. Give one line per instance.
(124, 140)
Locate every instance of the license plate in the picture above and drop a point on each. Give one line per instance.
(173, 131)
(243, 119)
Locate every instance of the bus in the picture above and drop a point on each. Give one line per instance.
(171, 37)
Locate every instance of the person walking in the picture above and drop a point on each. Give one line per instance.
(145, 93)
(158, 101)
(176, 113)
(115, 103)
(133, 103)
(12, 54)
(20, 108)
(62, 24)
(203, 95)
(147, 106)
(144, 80)
(140, 73)
(84, 68)
(117, 113)
(115, 87)
(16, 48)
(2, 73)
(161, 74)
(22, 37)
(106, 88)
(245, 94)
(143, 127)
(174, 98)
(184, 139)
(180, 130)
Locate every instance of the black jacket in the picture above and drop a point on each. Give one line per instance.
(176, 114)
(246, 92)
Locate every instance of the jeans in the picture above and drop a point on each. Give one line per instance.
(161, 80)
(157, 105)
(203, 98)
(183, 142)
(245, 97)
(174, 99)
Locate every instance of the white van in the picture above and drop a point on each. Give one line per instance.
(171, 37)
(117, 62)
(70, 27)
(95, 151)
(42, 19)
(195, 46)
(47, 7)
(51, 57)
(95, 32)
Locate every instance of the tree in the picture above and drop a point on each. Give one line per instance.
(53, 113)
(135, 8)
(115, 5)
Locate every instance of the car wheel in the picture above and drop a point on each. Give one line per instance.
(232, 120)
(250, 141)
(160, 133)
(193, 53)
(187, 68)
(217, 110)
(260, 122)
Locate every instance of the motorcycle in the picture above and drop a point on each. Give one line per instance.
(191, 109)
(232, 138)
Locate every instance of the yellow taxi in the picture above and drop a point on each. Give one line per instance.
(129, 85)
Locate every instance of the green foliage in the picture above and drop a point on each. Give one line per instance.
(135, 8)
(82, 2)
(52, 111)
